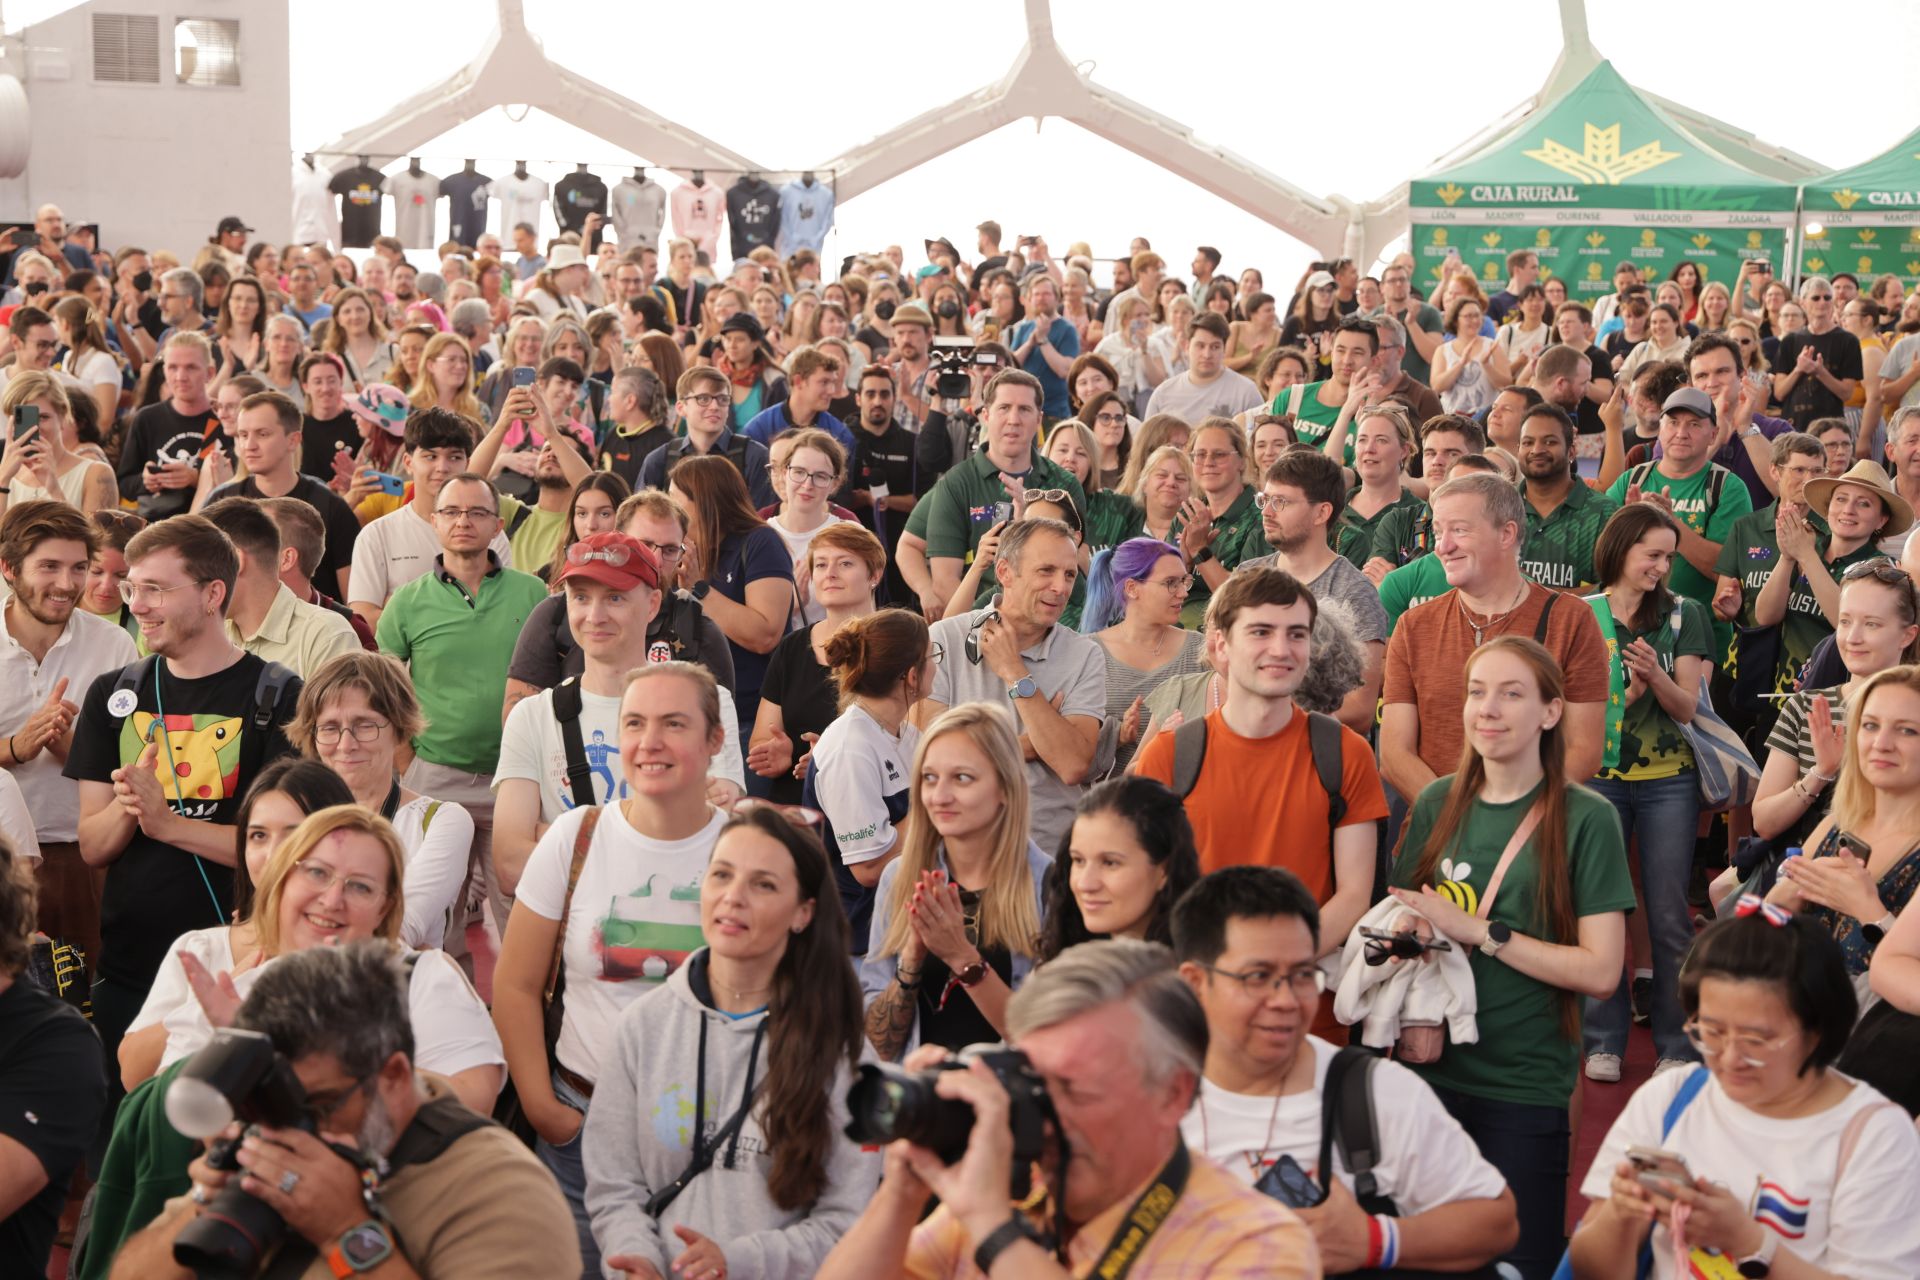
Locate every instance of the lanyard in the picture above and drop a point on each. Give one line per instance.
(391, 805)
(1148, 1214)
(701, 1156)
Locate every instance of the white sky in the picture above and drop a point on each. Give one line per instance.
(1312, 92)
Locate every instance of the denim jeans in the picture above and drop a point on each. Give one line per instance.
(1531, 1146)
(1661, 814)
(570, 1172)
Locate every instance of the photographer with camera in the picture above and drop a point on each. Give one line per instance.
(458, 1196)
(1107, 1048)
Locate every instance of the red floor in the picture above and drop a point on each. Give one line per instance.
(1601, 1105)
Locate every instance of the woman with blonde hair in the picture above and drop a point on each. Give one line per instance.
(520, 349)
(446, 379)
(1716, 307)
(358, 335)
(1112, 517)
(44, 462)
(956, 916)
(1166, 482)
(1161, 429)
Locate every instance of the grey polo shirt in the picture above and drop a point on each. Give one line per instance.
(1064, 661)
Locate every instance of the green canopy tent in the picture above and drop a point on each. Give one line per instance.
(1598, 177)
(1868, 217)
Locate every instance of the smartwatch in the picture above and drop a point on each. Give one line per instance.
(1023, 688)
(1498, 935)
(1876, 932)
(1004, 1236)
(360, 1248)
(700, 589)
(1759, 1264)
(1201, 556)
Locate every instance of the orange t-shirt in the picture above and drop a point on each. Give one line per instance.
(1435, 637)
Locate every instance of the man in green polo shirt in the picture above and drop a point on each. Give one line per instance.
(1800, 594)
(1564, 516)
(1405, 533)
(455, 628)
(1315, 405)
(973, 497)
(1705, 497)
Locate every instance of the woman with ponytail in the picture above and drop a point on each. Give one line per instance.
(858, 780)
(1134, 596)
(1556, 929)
(749, 1046)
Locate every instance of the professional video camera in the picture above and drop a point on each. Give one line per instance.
(887, 1103)
(240, 1075)
(951, 360)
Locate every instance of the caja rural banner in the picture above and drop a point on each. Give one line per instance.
(1583, 251)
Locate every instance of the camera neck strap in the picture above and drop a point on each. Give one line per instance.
(728, 1133)
(1149, 1213)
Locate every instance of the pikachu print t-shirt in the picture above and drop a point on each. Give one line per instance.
(1521, 1055)
(207, 752)
(635, 919)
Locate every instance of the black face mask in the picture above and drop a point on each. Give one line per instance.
(34, 288)
(883, 309)
(948, 310)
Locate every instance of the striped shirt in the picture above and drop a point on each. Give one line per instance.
(1219, 1229)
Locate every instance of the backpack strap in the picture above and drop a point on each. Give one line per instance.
(1189, 753)
(274, 680)
(1716, 482)
(566, 710)
(519, 518)
(1346, 1117)
(1850, 1136)
(1689, 1089)
(1323, 737)
(737, 452)
(1546, 611)
(426, 819)
(133, 676)
(582, 841)
(1638, 476)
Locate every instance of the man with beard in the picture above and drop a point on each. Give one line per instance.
(52, 654)
(911, 362)
(883, 477)
(459, 1196)
(1564, 515)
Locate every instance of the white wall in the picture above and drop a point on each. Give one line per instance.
(156, 165)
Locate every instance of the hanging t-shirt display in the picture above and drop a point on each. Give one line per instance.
(520, 198)
(577, 195)
(806, 215)
(697, 210)
(639, 207)
(753, 212)
(315, 219)
(413, 199)
(359, 192)
(466, 194)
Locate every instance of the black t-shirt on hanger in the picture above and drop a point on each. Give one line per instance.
(577, 195)
(359, 192)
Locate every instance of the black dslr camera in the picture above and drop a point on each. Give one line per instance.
(950, 361)
(239, 1076)
(887, 1103)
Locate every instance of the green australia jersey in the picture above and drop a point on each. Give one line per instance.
(1651, 745)
(1405, 532)
(1750, 553)
(1709, 502)
(961, 507)
(1558, 551)
(1401, 512)
(1415, 582)
(1239, 538)
(1521, 1055)
(1312, 421)
(1112, 518)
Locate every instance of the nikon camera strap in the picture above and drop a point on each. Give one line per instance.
(1148, 1214)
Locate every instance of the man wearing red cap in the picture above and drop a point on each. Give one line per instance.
(611, 584)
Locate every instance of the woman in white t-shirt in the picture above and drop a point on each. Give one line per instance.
(1785, 1167)
(43, 463)
(335, 880)
(883, 665)
(354, 713)
(812, 470)
(631, 912)
(88, 358)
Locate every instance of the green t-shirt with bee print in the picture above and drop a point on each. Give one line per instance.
(1521, 1055)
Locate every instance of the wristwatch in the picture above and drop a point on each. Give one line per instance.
(1498, 935)
(972, 975)
(1759, 1264)
(1006, 1234)
(700, 589)
(1753, 430)
(1876, 932)
(1023, 688)
(361, 1248)
(1201, 556)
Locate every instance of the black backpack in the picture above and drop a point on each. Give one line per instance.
(1346, 1118)
(566, 710)
(274, 680)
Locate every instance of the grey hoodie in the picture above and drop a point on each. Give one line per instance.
(638, 1139)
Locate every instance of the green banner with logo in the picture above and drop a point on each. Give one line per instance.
(1868, 245)
(1584, 256)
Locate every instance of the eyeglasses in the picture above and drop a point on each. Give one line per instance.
(1177, 585)
(320, 1107)
(1754, 1051)
(472, 515)
(1043, 495)
(360, 730)
(939, 652)
(320, 877)
(1111, 419)
(615, 555)
(666, 553)
(1819, 297)
(708, 399)
(819, 479)
(1306, 982)
(136, 592)
(1275, 502)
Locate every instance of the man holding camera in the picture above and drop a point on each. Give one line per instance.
(459, 1196)
(1118, 1040)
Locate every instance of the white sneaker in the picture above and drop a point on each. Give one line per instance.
(1673, 1064)
(1603, 1068)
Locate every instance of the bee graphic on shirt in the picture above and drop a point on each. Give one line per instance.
(1454, 887)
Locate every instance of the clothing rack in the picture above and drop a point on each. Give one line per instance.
(458, 160)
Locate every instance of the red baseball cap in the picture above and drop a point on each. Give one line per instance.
(612, 560)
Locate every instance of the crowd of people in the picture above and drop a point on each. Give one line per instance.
(1305, 727)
